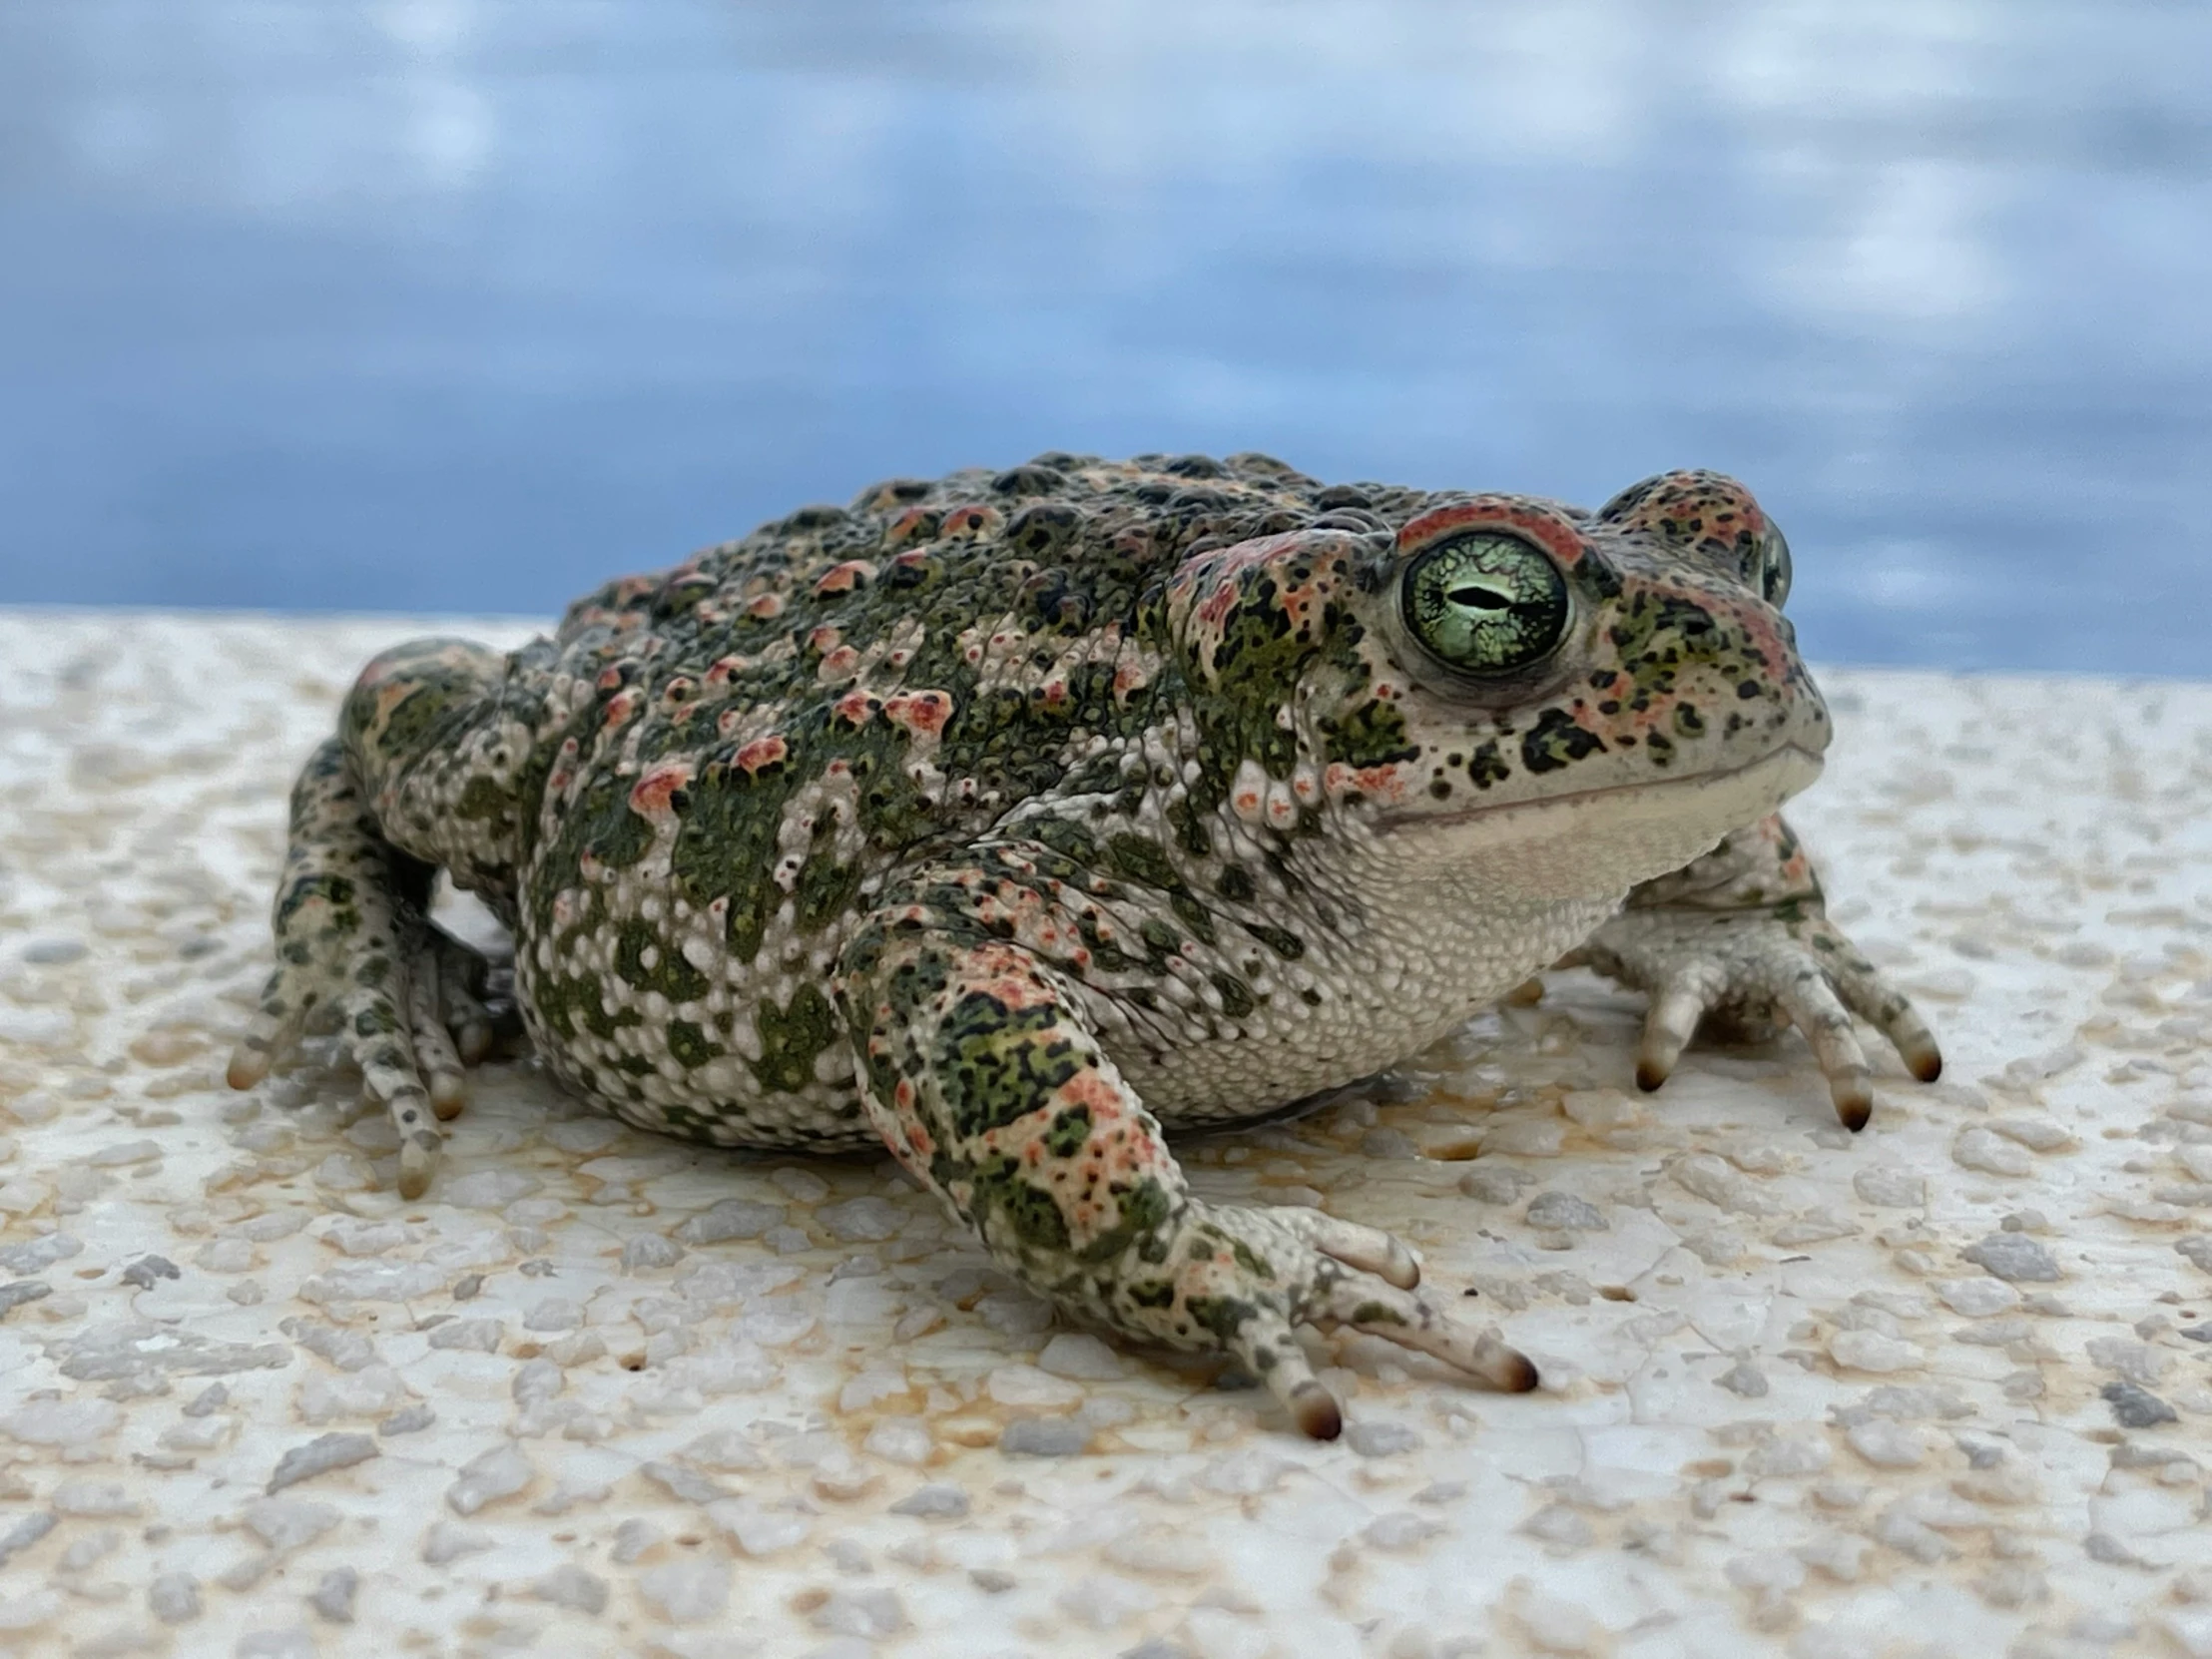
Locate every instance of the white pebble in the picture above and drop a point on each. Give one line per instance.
(1026, 1387)
(500, 1472)
(1888, 1446)
(1872, 1352)
(448, 1541)
(487, 1189)
(289, 1523)
(756, 1529)
(1081, 1356)
(906, 1440)
(570, 1587)
(1104, 1600)
(69, 1422)
(1887, 1186)
(1977, 1149)
(1976, 1298)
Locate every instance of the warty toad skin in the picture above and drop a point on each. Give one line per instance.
(1009, 820)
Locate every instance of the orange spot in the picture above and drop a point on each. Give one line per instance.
(924, 711)
(843, 578)
(971, 521)
(914, 521)
(619, 708)
(824, 637)
(651, 796)
(761, 752)
(1384, 782)
(1090, 1087)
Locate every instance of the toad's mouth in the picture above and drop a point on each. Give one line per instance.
(1594, 842)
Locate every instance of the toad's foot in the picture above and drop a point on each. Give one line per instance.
(1241, 1280)
(1741, 939)
(981, 1072)
(352, 934)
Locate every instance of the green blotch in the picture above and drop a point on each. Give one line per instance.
(1068, 838)
(998, 1065)
(825, 889)
(690, 1046)
(1070, 1132)
(483, 799)
(1001, 1185)
(1193, 915)
(1246, 1257)
(1234, 883)
(1235, 996)
(1556, 742)
(439, 695)
(791, 1038)
(1376, 1313)
(1152, 1292)
(1144, 1213)
(1224, 1316)
(337, 891)
(671, 975)
(1192, 833)
(1142, 860)
(1160, 941)
(915, 984)
(725, 844)
(1487, 766)
(562, 1003)
(603, 826)
(1688, 723)
(1284, 944)
(1371, 735)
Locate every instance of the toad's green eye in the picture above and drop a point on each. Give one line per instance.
(1486, 604)
(1772, 573)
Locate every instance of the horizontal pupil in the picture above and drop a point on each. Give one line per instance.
(1486, 599)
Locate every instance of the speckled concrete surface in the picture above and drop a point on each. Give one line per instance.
(1932, 1390)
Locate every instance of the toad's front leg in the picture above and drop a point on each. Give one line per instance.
(1741, 937)
(984, 1079)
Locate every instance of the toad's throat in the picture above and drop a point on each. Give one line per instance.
(1597, 841)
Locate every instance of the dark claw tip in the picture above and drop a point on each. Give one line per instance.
(1315, 1411)
(1648, 1076)
(1856, 1115)
(1522, 1377)
(1929, 1068)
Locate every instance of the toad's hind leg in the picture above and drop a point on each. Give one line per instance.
(422, 776)
(353, 933)
(983, 1077)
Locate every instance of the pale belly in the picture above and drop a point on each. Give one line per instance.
(1376, 999)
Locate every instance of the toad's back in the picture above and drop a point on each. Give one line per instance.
(751, 739)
